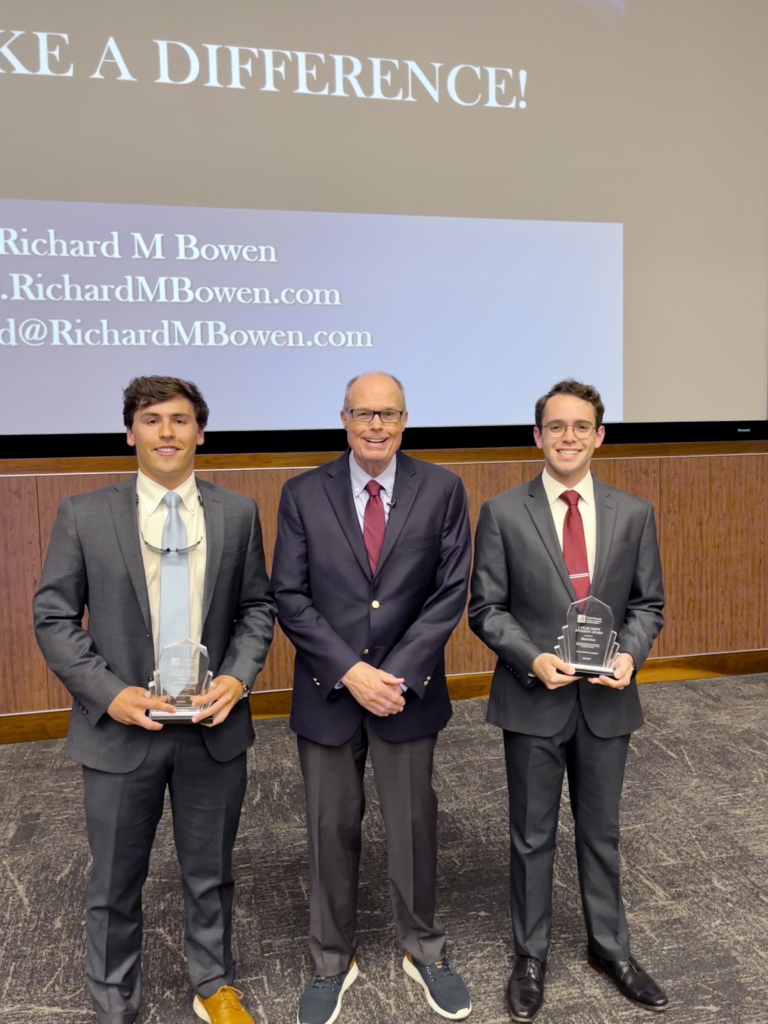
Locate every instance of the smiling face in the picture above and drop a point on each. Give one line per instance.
(374, 443)
(165, 436)
(567, 457)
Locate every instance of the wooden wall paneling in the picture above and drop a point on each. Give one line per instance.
(714, 527)
(485, 480)
(264, 487)
(304, 460)
(640, 477)
(531, 469)
(26, 686)
(465, 653)
(636, 476)
(712, 521)
(51, 491)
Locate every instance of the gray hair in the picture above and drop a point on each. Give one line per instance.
(372, 373)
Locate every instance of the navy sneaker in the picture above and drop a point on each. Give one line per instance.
(445, 992)
(320, 1001)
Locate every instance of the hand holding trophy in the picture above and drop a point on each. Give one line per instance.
(588, 642)
(182, 673)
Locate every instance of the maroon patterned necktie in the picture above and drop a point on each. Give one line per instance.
(374, 523)
(575, 546)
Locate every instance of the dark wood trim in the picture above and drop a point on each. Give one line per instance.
(39, 725)
(307, 460)
(52, 725)
(271, 704)
(703, 666)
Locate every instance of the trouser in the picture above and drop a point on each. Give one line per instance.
(122, 812)
(333, 779)
(535, 768)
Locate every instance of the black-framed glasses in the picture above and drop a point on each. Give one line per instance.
(581, 430)
(170, 551)
(368, 415)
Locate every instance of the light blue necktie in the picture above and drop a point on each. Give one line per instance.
(174, 578)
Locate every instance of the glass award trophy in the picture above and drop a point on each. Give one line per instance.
(182, 673)
(588, 640)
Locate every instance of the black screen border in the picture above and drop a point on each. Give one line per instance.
(281, 442)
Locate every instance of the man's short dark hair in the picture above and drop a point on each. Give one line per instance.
(572, 387)
(144, 391)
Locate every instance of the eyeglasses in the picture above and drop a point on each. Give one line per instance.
(170, 551)
(581, 430)
(368, 415)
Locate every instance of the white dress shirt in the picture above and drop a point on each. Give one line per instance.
(360, 478)
(152, 515)
(586, 491)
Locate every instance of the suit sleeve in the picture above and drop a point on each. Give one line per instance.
(489, 613)
(419, 649)
(644, 617)
(58, 608)
(255, 615)
(305, 627)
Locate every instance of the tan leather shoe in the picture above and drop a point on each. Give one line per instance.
(223, 1007)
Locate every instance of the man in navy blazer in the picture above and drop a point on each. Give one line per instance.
(370, 573)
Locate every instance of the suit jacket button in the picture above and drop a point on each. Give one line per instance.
(429, 679)
(426, 682)
(365, 651)
(375, 604)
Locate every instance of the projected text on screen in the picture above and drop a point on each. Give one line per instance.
(272, 311)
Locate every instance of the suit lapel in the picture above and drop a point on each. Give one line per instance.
(605, 509)
(125, 518)
(215, 525)
(338, 487)
(538, 508)
(406, 489)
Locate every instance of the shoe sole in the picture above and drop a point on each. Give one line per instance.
(411, 971)
(200, 1010)
(645, 1006)
(523, 1020)
(352, 974)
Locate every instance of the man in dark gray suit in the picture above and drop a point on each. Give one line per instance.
(370, 573)
(155, 555)
(539, 547)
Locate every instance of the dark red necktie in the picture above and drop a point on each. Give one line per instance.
(374, 523)
(575, 546)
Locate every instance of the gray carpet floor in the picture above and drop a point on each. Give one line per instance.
(694, 852)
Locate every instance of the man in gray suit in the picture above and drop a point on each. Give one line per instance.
(539, 547)
(154, 556)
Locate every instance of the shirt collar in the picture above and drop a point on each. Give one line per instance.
(151, 494)
(584, 488)
(360, 478)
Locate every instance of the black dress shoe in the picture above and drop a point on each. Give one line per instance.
(525, 990)
(632, 981)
